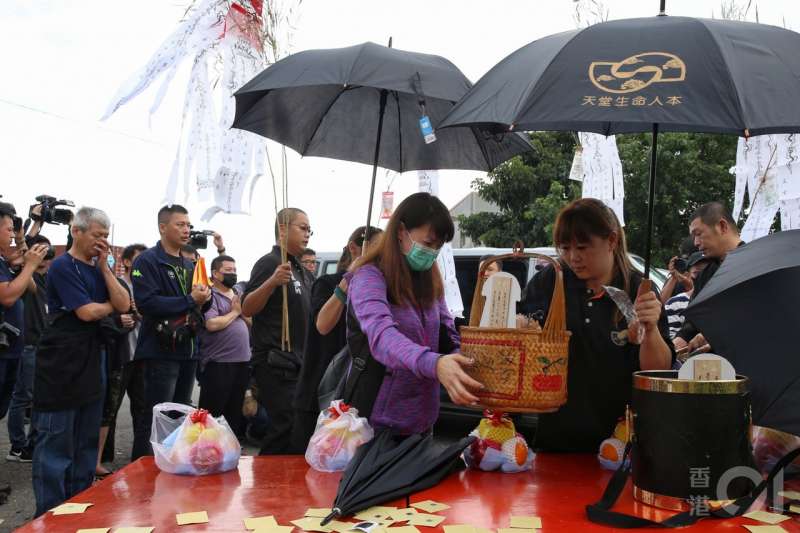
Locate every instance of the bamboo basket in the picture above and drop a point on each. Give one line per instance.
(521, 370)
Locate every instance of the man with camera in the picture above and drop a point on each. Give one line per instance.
(12, 286)
(35, 306)
(276, 365)
(171, 309)
(69, 378)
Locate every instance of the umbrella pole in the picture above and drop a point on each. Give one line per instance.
(651, 201)
(381, 112)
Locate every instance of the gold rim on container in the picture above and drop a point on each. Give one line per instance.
(650, 380)
(672, 503)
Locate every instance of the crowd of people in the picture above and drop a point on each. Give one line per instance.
(75, 338)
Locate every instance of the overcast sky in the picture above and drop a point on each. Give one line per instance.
(64, 60)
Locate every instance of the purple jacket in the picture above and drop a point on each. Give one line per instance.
(406, 341)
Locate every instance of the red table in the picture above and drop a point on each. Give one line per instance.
(557, 489)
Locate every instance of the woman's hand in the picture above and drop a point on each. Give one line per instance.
(648, 309)
(457, 383)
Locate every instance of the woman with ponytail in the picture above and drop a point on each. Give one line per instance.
(604, 350)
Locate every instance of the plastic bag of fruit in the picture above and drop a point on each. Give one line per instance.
(190, 441)
(339, 432)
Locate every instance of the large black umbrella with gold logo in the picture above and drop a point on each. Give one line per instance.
(654, 74)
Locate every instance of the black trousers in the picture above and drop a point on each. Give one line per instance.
(275, 392)
(130, 379)
(303, 426)
(222, 387)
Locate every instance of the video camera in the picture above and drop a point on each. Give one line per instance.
(199, 238)
(50, 212)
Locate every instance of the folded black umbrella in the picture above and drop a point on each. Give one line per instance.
(364, 104)
(747, 312)
(390, 466)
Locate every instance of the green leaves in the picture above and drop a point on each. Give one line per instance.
(530, 189)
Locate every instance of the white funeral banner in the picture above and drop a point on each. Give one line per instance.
(429, 182)
(768, 169)
(601, 171)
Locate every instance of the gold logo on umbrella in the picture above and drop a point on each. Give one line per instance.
(636, 72)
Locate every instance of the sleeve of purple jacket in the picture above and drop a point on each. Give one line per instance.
(367, 293)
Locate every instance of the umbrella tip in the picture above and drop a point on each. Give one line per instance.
(335, 512)
(663, 9)
(390, 42)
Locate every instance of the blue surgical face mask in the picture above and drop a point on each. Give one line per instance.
(420, 258)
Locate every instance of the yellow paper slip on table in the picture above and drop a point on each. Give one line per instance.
(274, 529)
(426, 520)
(259, 522)
(197, 517)
(403, 514)
(430, 506)
(460, 528)
(376, 514)
(767, 518)
(765, 529)
(312, 524)
(318, 513)
(526, 522)
(790, 494)
(71, 508)
(402, 529)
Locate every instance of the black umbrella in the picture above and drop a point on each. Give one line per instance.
(648, 74)
(747, 312)
(389, 467)
(364, 103)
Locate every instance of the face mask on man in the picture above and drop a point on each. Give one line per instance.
(229, 280)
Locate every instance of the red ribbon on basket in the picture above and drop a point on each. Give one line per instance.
(336, 413)
(200, 416)
(496, 418)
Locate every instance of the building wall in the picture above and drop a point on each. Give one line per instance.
(469, 205)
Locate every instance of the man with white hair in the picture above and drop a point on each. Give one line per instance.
(69, 379)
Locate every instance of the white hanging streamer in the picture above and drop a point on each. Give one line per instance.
(216, 163)
(602, 171)
(768, 169)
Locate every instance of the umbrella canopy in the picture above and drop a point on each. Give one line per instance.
(623, 76)
(389, 467)
(747, 313)
(327, 103)
(647, 74)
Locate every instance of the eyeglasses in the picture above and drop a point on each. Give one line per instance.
(304, 229)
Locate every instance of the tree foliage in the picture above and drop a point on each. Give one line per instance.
(531, 189)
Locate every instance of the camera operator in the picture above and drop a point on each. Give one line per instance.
(69, 378)
(171, 309)
(12, 287)
(35, 306)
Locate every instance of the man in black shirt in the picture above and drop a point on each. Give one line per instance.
(276, 364)
(715, 234)
(35, 302)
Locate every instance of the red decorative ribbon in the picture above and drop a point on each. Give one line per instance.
(200, 416)
(496, 418)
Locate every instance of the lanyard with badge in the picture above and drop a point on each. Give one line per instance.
(425, 125)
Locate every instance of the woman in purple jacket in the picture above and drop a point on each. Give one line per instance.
(397, 296)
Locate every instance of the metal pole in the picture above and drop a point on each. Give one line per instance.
(381, 112)
(651, 201)
(663, 11)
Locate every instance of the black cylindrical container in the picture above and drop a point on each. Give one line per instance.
(686, 436)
